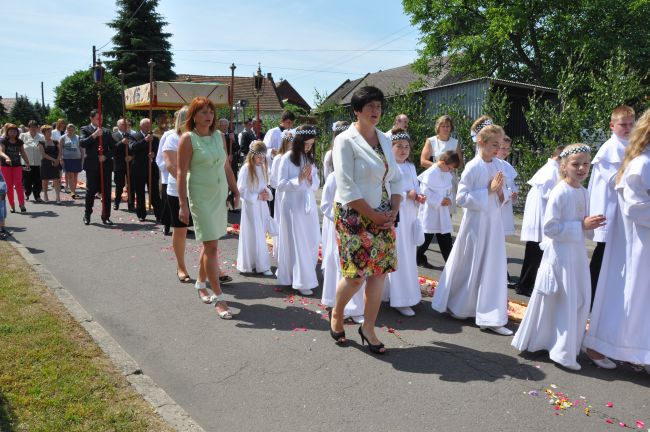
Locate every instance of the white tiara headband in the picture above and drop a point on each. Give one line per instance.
(341, 128)
(575, 150)
(474, 133)
(400, 136)
(308, 132)
(257, 153)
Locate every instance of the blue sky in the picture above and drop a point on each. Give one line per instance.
(51, 39)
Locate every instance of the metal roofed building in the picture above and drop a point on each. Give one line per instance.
(447, 88)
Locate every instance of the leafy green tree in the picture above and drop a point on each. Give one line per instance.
(528, 40)
(55, 114)
(4, 115)
(139, 37)
(77, 95)
(23, 111)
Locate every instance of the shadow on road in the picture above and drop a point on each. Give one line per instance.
(624, 371)
(456, 363)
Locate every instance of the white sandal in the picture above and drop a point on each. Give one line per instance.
(226, 315)
(201, 286)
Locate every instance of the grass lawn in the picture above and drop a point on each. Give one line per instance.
(52, 375)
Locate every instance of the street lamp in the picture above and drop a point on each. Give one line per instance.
(98, 77)
(258, 90)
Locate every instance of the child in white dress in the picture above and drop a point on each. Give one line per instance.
(436, 183)
(511, 174)
(403, 286)
(541, 185)
(274, 208)
(620, 322)
(252, 182)
(558, 309)
(299, 230)
(473, 282)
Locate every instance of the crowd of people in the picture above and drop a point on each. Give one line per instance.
(380, 216)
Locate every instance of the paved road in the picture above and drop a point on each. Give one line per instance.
(275, 368)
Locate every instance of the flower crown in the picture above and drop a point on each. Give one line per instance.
(575, 150)
(400, 136)
(308, 132)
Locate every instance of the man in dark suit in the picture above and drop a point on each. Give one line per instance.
(144, 150)
(124, 138)
(246, 137)
(89, 140)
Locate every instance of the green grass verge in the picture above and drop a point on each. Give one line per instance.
(52, 375)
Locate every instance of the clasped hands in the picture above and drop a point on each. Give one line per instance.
(384, 220)
(305, 173)
(496, 185)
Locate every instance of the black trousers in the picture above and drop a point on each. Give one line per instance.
(444, 241)
(271, 203)
(532, 259)
(139, 182)
(120, 182)
(93, 186)
(32, 182)
(594, 267)
(165, 217)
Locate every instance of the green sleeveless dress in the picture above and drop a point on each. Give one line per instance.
(208, 187)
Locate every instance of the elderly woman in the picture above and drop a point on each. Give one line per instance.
(202, 173)
(367, 201)
(72, 156)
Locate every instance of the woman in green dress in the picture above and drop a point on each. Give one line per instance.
(203, 178)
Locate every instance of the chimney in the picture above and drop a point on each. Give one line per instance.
(269, 77)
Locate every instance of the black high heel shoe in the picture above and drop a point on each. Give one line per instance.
(339, 337)
(376, 349)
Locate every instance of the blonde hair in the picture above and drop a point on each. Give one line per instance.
(256, 147)
(444, 119)
(489, 132)
(287, 143)
(622, 111)
(565, 159)
(638, 142)
(180, 119)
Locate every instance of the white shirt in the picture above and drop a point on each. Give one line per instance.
(439, 147)
(359, 170)
(171, 144)
(160, 160)
(603, 197)
(273, 138)
(31, 147)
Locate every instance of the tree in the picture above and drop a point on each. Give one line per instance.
(77, 95)
(528, 40)
(23, 111)
(3, 112)
(140, 37)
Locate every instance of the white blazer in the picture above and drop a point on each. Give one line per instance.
(359, 170)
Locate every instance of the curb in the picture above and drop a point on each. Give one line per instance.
(161, 402)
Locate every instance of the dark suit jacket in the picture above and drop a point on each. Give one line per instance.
(91, 145)
(247, 137)
(140, 150)
(120, 149)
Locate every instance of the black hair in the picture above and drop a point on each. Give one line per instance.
(288, 115)
(364, 96)
(298, 147)
(93, 113)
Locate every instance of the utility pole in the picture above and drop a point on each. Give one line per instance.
(42, 98)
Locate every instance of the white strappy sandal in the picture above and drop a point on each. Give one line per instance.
(226, 315)
(202, 286)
